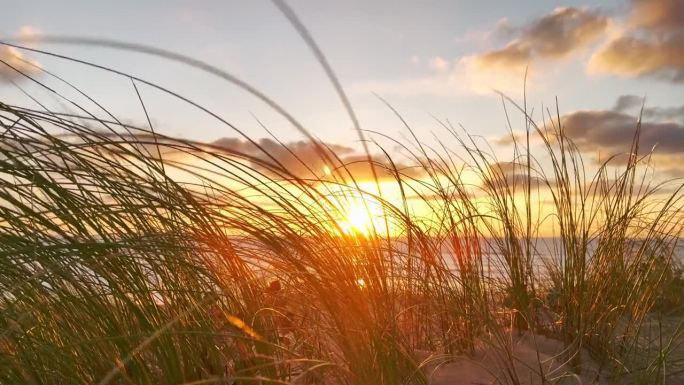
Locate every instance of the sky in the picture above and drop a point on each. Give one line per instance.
(431, 60)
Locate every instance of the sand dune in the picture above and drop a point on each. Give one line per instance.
(487, 365)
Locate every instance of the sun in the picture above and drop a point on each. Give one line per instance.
(355, 210)
(357, 220)
(361, 218)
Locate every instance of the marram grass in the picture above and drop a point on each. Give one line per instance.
(132, 257)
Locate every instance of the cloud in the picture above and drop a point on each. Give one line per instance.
(512, 175)
(658, 15)
(640, 57)
(13, 65)
(650, 46)
(302, 159)
(627, 102)
(612, 132)
(515, 55)
(459, 77)
(553, 36)
(634, 103)
(29, 32)
(310, 159)
(502, 31)
(504, 28)
(609, 134)
(613, 129)
(439, 64)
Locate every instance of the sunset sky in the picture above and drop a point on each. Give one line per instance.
(433, 59)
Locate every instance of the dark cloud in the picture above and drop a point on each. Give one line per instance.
(651, 44)
(665, 113)
(612, 132)
(309, 159)
(555, 35)
(303, 159)
(512, 175)
(627, 102)
(634, 103)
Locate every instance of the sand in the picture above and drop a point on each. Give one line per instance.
(486, 366)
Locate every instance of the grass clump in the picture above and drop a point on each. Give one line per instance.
(133, 257)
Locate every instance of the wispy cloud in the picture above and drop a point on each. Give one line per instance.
(553, 36)
(448, 78)
(502, 31)
(439, 64)
(13, 64)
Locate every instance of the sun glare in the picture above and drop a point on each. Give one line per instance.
(356, 211)
(360, 216)
(357, 220)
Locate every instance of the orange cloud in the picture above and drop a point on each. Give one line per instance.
(658, 15)
(638, 57)
(553, 36)
(651, 44)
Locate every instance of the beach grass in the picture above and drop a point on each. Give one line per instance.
(133, 257)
